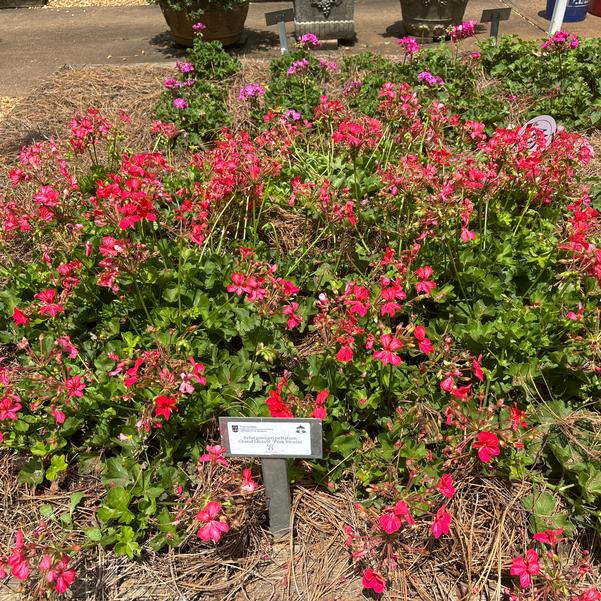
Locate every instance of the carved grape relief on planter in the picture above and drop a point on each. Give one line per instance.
(325, 6)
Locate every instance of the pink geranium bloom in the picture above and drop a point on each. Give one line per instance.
(373, 580)
(425, 285)
(61, 574)
(18, 561)
(294, 320)
(214, 454)
(487, 446)
(345, 354)
(462, 392)
(387, 355)
(212, 529)
(592, 594)
(48, 305)
(75, 386)
(20, 318)
(549, 537)
(448, 384)
(165, 406)
(9, 406)
(238, 285)
(526, 567)
(442, 522)
(248, 484)
(389, 522)
(401, 510)
(445, 486)
(477, 369)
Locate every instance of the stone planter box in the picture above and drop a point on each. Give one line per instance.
(327, 19)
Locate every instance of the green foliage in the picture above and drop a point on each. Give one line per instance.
(205, 114)
(146, 261)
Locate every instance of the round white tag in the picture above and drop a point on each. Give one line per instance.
(546, 124)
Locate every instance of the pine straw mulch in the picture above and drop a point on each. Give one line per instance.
(489, 528)
(115, 89)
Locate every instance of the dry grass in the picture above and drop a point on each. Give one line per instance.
(87, 3)
(46, 113)
(489, 528)
(7, 105)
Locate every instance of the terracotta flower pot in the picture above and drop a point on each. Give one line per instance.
(223, 25)
(431, 18)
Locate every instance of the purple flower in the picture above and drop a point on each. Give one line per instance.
(252, 90)
(410, 45)
(352, 87)
(185, 67)
(198, 26)
(292, 115)
(327, 65)
(300, 66)
(309, 41)
(180, 103)
(170, 83)
(430, 80)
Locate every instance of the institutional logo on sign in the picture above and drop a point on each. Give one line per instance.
(235, 427)
(301, 429)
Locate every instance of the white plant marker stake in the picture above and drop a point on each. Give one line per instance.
(559, 13)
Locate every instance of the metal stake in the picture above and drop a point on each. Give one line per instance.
(283, 40)
(280, 17)
(494, 30)
(277, 491)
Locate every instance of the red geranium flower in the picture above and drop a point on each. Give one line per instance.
(487, 445)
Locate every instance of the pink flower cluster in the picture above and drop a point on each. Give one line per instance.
(429, 79)
(560, 42)
(309, 41)
(467, 29)
(54, 567)
(261, 287)
(251, 90)
(409, 45)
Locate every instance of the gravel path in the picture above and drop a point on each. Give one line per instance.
(85, 3)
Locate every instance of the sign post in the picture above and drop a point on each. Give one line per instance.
(559, 13)
(280, 17)
(274, 440)
(494, 16)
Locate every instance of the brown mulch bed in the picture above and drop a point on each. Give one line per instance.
(489, 528)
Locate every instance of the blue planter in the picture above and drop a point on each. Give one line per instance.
(575, 12)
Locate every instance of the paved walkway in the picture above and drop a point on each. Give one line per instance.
(36, 42)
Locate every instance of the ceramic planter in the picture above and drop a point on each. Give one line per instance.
(431, 18)
(223, 25)
(327, 19)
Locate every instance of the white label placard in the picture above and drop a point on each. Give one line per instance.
(271, 437)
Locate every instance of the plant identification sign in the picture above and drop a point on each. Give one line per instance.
(274, 440)
(271, 437)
